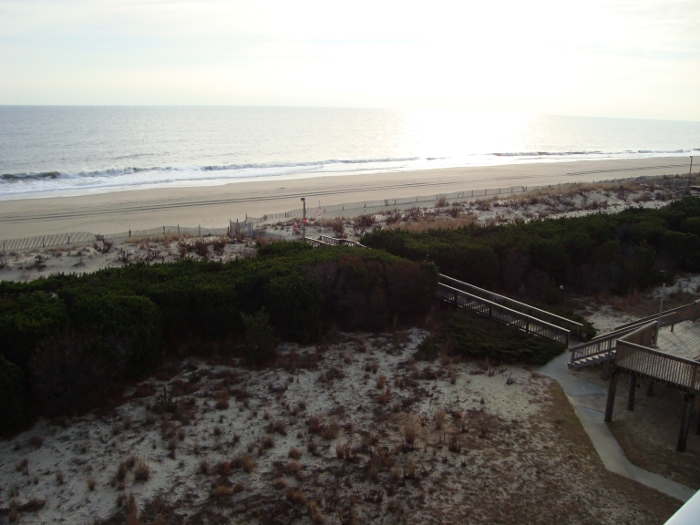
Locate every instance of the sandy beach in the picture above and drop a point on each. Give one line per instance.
(214, 206)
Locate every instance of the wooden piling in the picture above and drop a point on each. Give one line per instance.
(610, 402)
(631, 391)
(685, 425)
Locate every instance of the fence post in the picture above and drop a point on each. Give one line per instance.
(200, 230)
(130, 234)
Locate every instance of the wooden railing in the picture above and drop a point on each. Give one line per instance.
(576, 329)
(644, 335)
(339, 242)
(602, 347)
(660, 366)
(669, 317)
(503, 314)
(315, 242)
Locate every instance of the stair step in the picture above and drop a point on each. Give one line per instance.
(588, 360)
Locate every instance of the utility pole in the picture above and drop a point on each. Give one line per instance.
(303, 220)
(690, 173)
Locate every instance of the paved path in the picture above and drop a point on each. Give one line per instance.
(588, 400)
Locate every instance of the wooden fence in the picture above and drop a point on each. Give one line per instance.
(576, 329)
(503, 314)
(87, 238)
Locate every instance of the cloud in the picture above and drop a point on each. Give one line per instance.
(542, 56)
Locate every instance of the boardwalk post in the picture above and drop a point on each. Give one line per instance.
(303, 220)
(650, 389)
(610, 403)
(631, 391)
(685, 425)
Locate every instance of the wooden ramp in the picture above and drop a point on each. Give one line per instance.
(530, 324)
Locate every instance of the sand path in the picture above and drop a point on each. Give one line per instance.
(588, 401)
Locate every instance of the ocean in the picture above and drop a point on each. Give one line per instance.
(72, 150)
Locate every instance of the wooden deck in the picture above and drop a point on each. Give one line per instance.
(634, 356)
(683, 340)
(603, 347)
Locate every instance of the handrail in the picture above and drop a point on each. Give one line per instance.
(503, 314)
(601, 345)
(671, 369)
(656, 316)
(574, 327)
(604, 345)
(339, 242)
(315, 242)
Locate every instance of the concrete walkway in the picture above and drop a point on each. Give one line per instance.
(588, 401)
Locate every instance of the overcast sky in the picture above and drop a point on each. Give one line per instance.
(571, 57)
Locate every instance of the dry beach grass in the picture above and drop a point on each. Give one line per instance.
(481, 450)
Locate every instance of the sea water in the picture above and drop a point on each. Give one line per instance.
(84, 149)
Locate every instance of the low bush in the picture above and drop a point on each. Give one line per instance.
(76, 337)
(13, 403)
(591, 254)
(260, 340)
(474, 336)
(26, 318)
(75, 372)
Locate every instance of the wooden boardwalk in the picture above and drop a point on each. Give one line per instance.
(575, 329)
(603, 347)
(503, 314)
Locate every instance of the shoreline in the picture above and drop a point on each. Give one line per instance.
(214, 206)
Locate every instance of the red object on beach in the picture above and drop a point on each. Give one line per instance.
(304, 220)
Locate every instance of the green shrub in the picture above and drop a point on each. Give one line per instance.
(474, 336)
(590, 254)
(74, 372)
(260, 343)
(13, 404)
(132, 320)
(25, 320)
(283, 249)
(295, 303)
